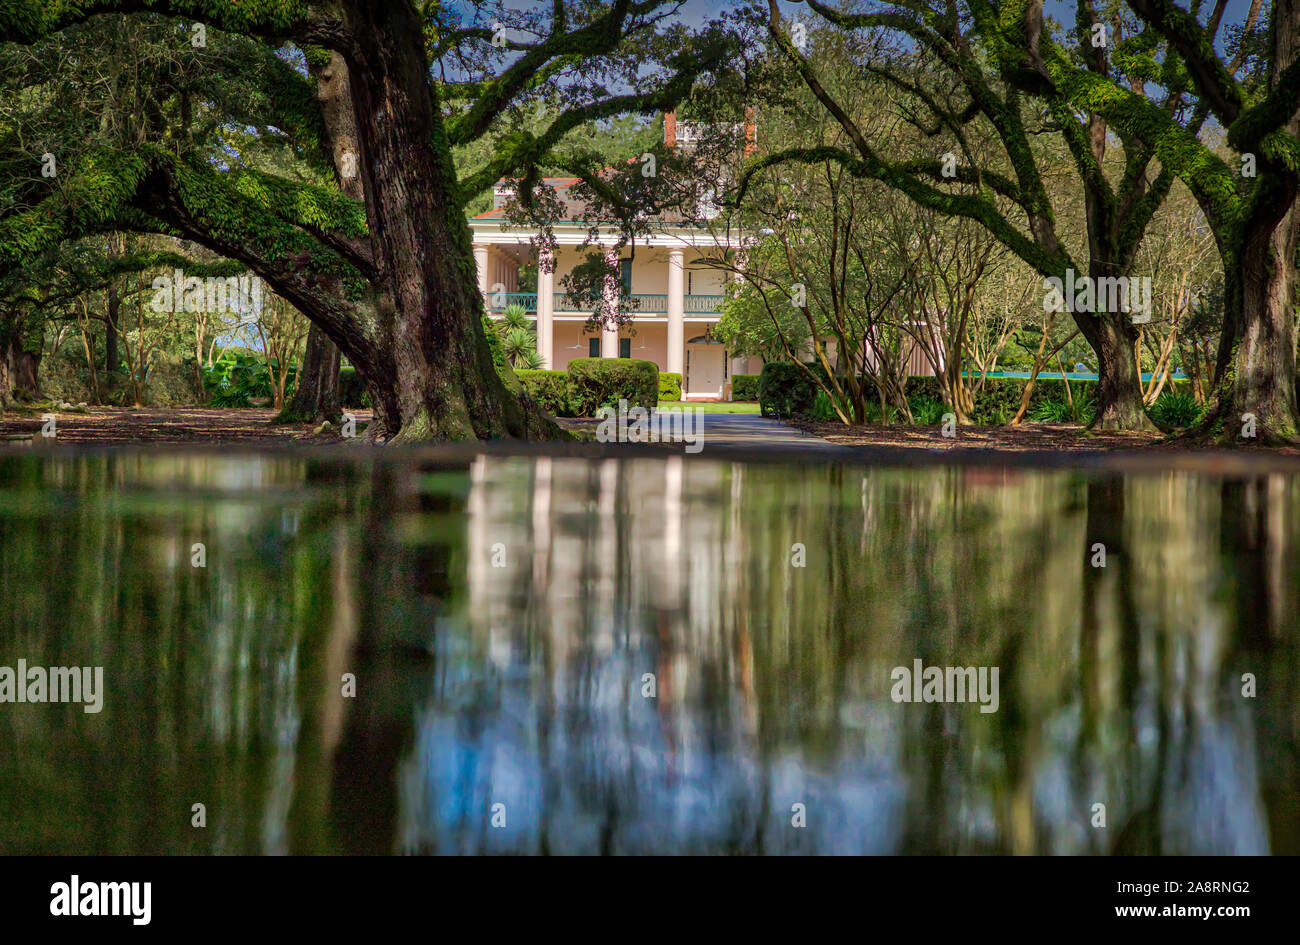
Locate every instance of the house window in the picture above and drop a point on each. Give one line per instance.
(593, 347)
(625, 347)
(626, 265)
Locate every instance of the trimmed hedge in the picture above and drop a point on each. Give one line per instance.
(998, 402)
(785, 390)
(352, 388)
(554, 391)
(550, 389)
(744, 386)
(596, 382)
(670, 386)
(790, 391)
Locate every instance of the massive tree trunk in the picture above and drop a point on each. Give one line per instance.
(1255, 374)
(417, 337)
(1256, 365)
(1113, 335)
(6, 376)
(27, 380)
(317, 396)
(20, 373)
(433, 378)
(1119, 383)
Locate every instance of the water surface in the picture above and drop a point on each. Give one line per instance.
(504, 621)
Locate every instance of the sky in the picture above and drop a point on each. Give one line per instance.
(696, 12)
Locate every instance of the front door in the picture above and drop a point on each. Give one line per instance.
(704, 370)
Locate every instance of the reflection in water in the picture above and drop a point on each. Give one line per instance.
(623, 656)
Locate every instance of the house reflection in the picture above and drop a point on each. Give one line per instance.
(651, 655)
(771, 680)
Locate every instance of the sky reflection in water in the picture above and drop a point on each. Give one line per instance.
(501, 618)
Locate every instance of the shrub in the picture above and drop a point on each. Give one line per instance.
(995, 414)
(1175, 409)
(785, 390)
(926, 411)
(64, 376)
(744, 387)
(499, 360)
(670, 386)
(236, 380)
(999, 400)
(494, 342)
(599, 382)
(352, 388)
(822, 408)
(548, 389)
(172, 382)
(1051, 411)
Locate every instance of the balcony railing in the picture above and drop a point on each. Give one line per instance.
(498, 302)
(703, 304)
(646, 304)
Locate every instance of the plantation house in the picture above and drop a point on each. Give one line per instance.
(676, 298)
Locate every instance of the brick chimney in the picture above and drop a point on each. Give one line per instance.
(751, 131)
(670, 129)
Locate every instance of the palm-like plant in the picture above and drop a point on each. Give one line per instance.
(517, 339)
(514, 317)
(530, 360)
(518, 344)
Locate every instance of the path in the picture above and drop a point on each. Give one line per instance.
(751, 431)
(748, 432)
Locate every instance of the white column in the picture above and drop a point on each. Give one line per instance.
(608, 342)
(481, 263)
(676, 312)
(546, 308)
(609, 333)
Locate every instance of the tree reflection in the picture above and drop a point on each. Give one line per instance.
(502, 620)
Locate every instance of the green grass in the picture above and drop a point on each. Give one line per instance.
(734, 407)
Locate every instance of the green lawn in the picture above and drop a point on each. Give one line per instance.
(735, 407)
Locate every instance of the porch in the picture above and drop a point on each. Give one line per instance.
(670, 328)
(706, 368)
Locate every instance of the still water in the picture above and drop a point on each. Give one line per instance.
(651, 655)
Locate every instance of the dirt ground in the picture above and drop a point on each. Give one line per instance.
(1028, 436)
(104, 426)
(111, 426)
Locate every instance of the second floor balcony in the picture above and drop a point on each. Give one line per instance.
(639, 304)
